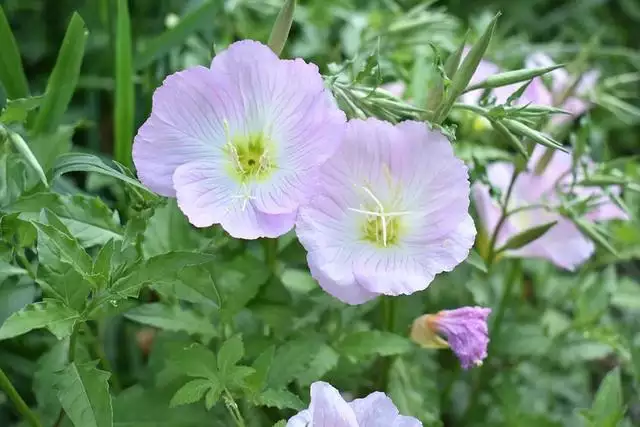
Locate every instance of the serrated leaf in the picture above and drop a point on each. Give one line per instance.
(230, 354)
(413, 388)
(172, 318)
(195, 361)
(50, 314)
(257, 381)
(212, 397)
(56, 246)
(83, 391)
(281, 399)
(44, 379)
(291, 360)
(191, 392)
(363, 344)
(65, 284)
(160, 268)
(16, 110)
(322, 362)
(525, 237)
(102, 264)
(169, 230)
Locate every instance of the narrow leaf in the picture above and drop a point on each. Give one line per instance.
(124, 108)
(51, 314)
(12, 74)
(608, 406)
(534, 135)
(474, 259)
(524, 238)
(511, 138)
(83, 391)
(511, 77)
(199, 18)
(22, 147)
(80, 162)
(280, 31)
(64, 77)
(592, 232)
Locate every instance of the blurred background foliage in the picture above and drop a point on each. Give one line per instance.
(573, 329)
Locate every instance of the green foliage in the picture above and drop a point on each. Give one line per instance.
(116, 311)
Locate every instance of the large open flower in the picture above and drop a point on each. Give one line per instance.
(391, 212)
(239, 144)
(329, 409)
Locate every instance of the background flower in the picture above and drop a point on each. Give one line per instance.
(239, 143)
(328, 408)
(391, 212)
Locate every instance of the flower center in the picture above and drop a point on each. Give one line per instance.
(250, 157)
(382, 230)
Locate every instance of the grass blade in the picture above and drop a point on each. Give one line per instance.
(62, 81)
(11, 72)
(124, 107)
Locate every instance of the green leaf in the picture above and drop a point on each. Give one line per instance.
(194, 361)
(169, 230)
(509, 137)
(212, 397)
(12, 74)
(56, 247)
(291, 360)
(258, 380)
(139, 407)
(83, 391)
(87, 218)
(468, 67)
(413, 388)
(50, 314)
(7, 269)
(592, 232)
(230, 354)
(24, 150)
(525, 237)
(16, 110)
(608, 406)
(47, 147)
(281, 423)
(321, 363)
(63, 79)
(192, 392)
(172, 318)
(511, 77)
(281, 27)
(281, 399)
(66, 285)
(124, 106)
(44, 379)
(102, 264)
(160, 268)
(475, 260)
(534, 135)
(363, 344)
(80, 162)
(298, 280)
(199, 18)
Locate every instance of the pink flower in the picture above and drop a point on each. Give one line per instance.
(240, 143)
(563, 244)
(465, 329)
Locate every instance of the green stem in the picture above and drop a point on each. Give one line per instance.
(502, 220)
(270, 247)
(14, 396)
(233, 409)
(71, 356)
(485, 374)
(388, 325)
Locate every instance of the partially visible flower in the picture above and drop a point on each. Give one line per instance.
(329, 409)
(561, 81)
(538, 196)
(240, 143)
(464, 328)
(391, 212)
